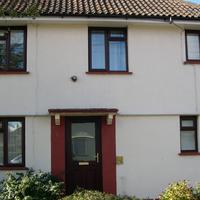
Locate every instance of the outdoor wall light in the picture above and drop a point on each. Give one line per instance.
(74, 78)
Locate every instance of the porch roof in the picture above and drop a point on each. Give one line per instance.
(83, 111)
(108, 112)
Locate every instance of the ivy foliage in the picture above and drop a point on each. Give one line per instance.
(30, 186)
(178, 191)
(81, 194)
(196, 191)
(31, 11)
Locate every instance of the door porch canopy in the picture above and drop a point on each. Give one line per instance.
(108, 112)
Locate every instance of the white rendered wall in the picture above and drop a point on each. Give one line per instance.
(150, 147)
(160, 84)
(38, 143)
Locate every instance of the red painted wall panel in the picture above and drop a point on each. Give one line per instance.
(109, 157)
(58, 149)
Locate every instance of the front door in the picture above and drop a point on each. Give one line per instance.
(84, 154)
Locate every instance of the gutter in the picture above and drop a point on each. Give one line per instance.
(64, 20)
(186, 22)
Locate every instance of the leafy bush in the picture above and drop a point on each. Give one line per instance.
(196, 192)
(81, 194)
(178, 191)
(30, 186)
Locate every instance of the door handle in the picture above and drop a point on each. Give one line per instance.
(97, 157)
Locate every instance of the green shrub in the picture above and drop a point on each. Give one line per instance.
(178, 191)
(81, 194)
(30, 186)
(196, 192)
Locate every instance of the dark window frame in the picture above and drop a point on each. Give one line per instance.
(186, 44)
(8, 28)
(189, 128)
(5, 141)
(107, 31)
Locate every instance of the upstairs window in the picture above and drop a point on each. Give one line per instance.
(108, 50)
(12, 48)
(188, 128)
(12, 142)
(193, 45)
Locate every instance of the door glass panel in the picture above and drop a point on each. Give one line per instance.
(17, 49)
(187, 140)
(83, 141)
(15, 142)
(1, 148)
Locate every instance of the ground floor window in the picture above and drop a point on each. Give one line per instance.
(12, 142)
(188, 130)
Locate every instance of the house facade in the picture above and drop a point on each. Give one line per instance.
(104, 95)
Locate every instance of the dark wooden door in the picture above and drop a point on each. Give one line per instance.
(84, 154)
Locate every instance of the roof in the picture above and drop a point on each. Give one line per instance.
(105, 8)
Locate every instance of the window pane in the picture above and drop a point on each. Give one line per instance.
(98, 49)
(119, 34)
(83, 142)
(117, 58)
(1, 125)
(3, 33)
(193, 46)
(17, 49)
(15, 142)
(188, 140)
(2, 54)
(187, 123)
(1, 148)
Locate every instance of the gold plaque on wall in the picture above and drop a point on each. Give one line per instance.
(119, 160)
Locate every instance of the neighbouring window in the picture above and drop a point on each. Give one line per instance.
(108, 49)
(188, 129)
(193, 45)
(12, 143)
(12, 48)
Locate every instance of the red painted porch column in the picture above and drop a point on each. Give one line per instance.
(58, 149)
(108, 156)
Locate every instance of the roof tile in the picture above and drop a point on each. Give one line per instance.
(131, 8)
